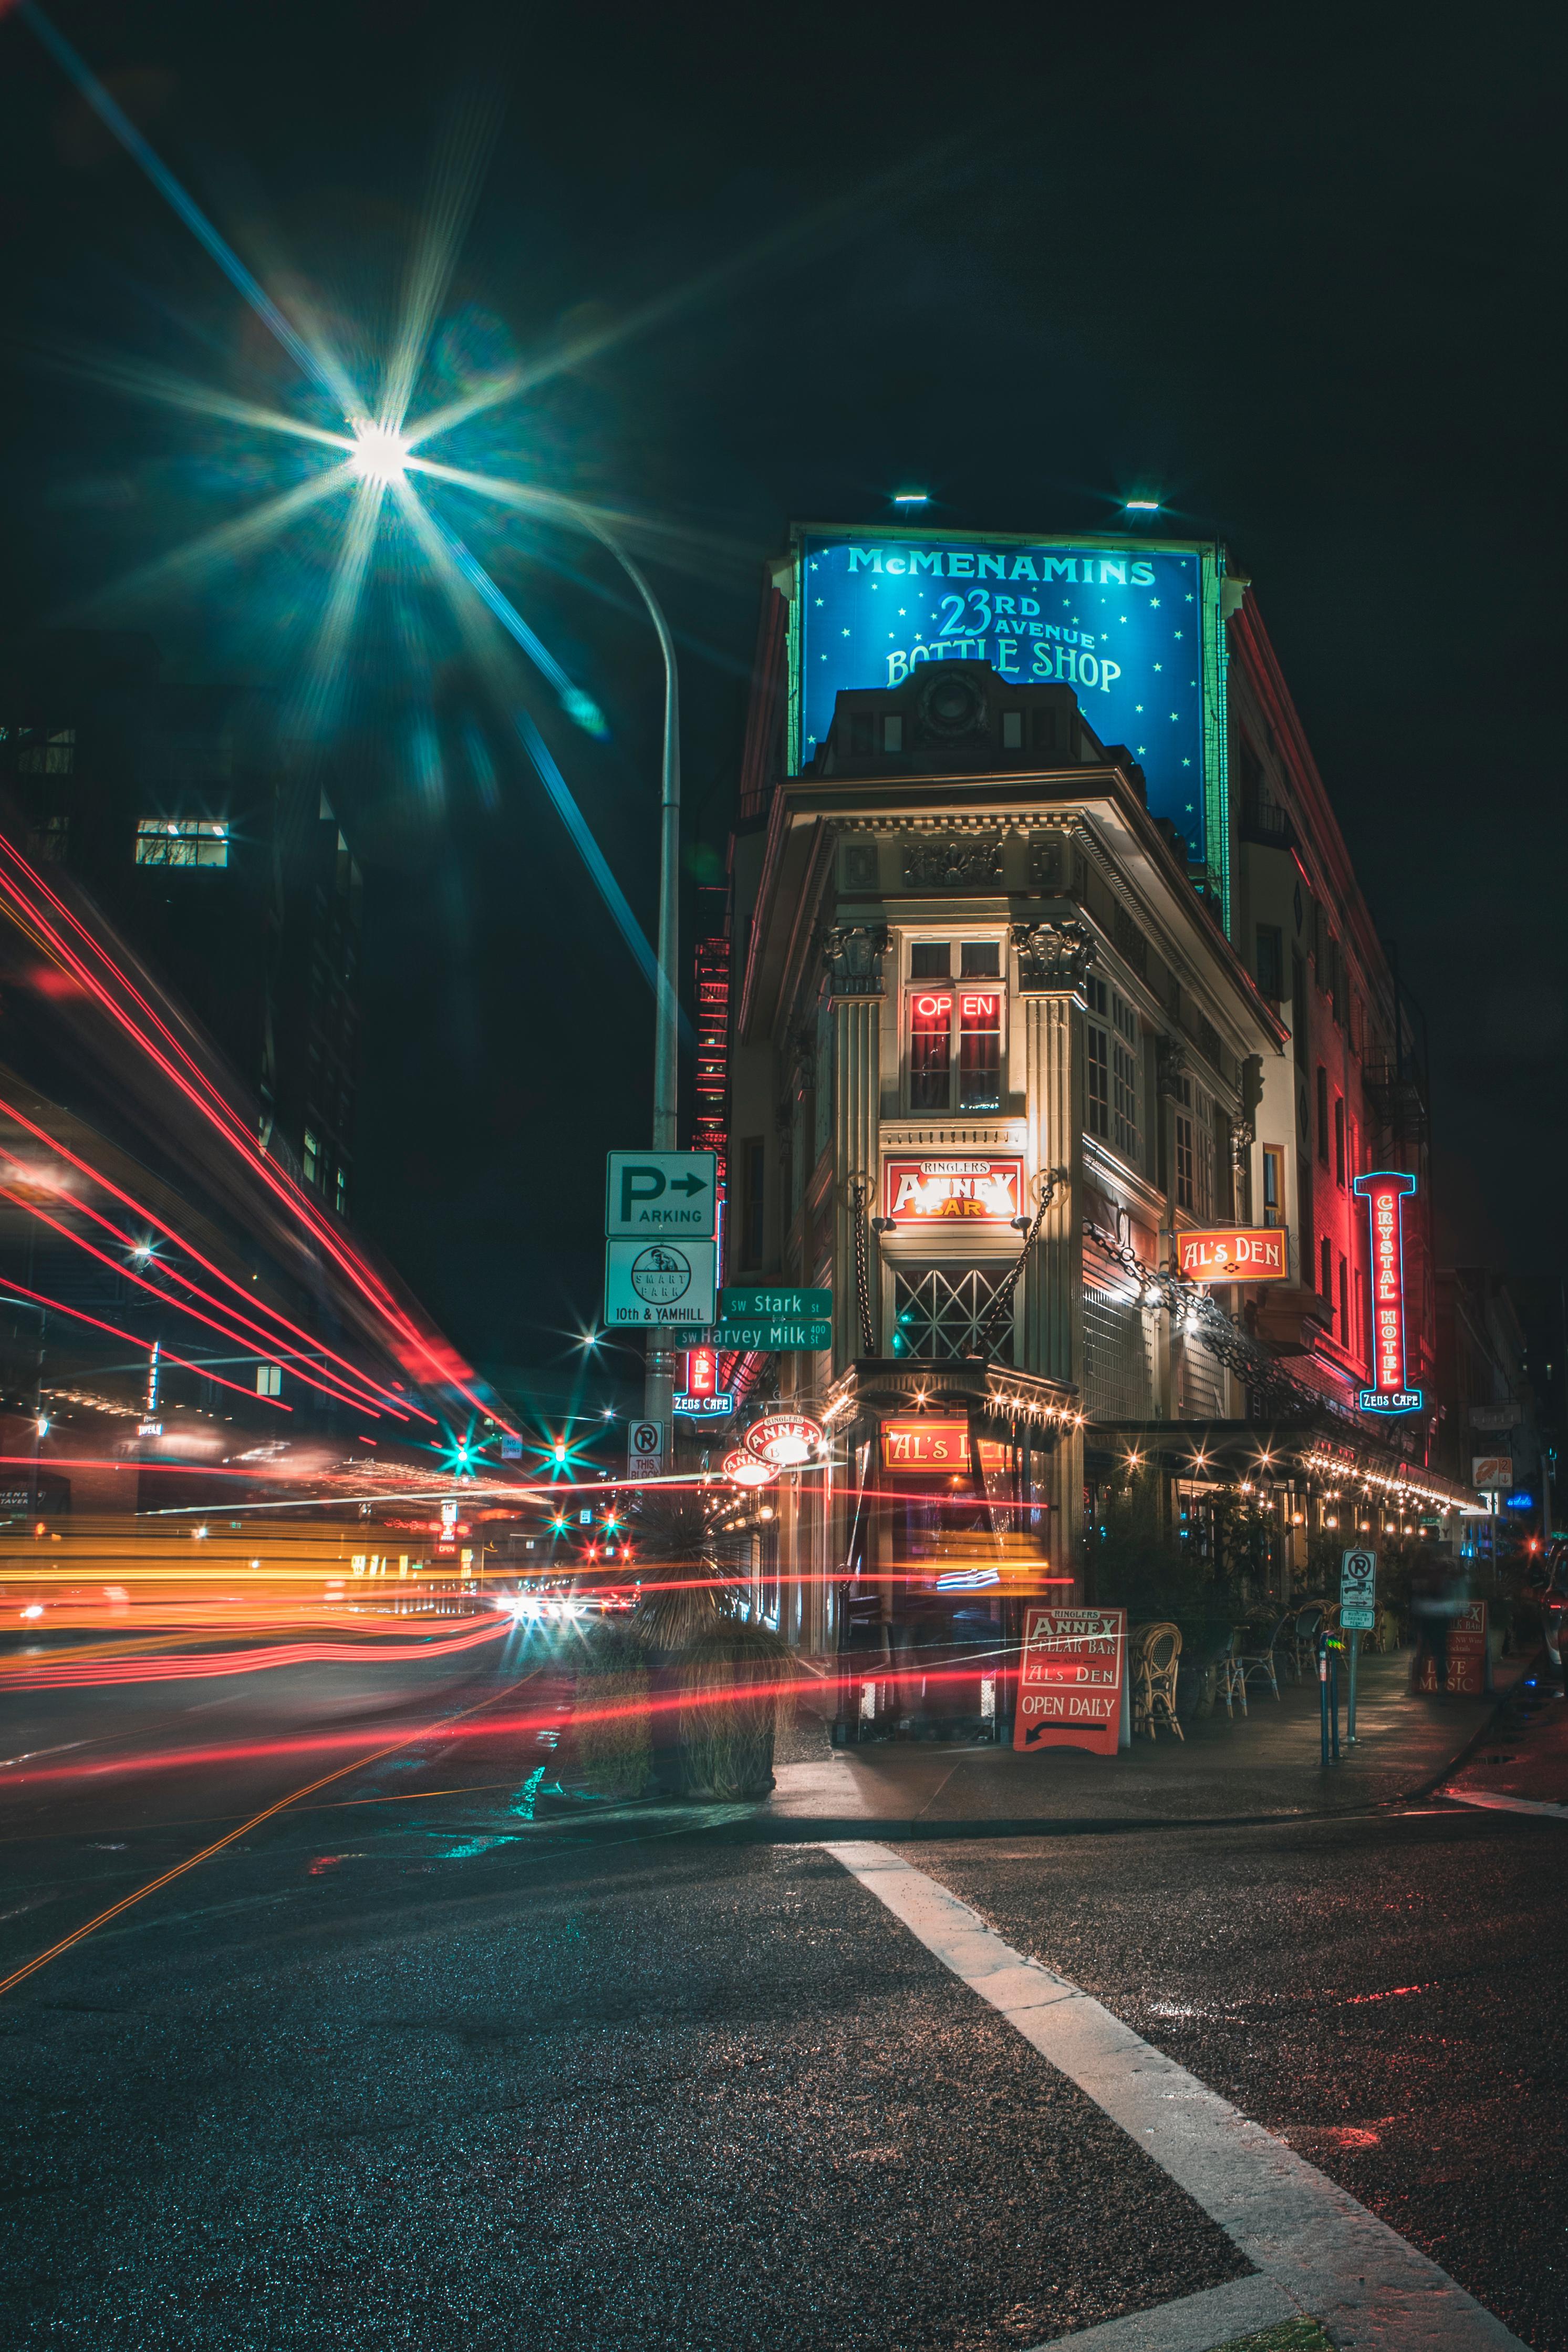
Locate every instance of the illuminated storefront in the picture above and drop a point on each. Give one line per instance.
(1005, 1084)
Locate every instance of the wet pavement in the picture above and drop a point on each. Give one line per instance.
(406, 2066)
(1265, 1761)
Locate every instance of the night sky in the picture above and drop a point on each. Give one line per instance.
(1292, 272)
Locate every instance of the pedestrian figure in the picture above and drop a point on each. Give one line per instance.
(1436, 1597)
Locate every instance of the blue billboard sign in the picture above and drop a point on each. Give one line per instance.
(1132, 626)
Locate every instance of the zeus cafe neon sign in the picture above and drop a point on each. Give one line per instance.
(1385, 1195)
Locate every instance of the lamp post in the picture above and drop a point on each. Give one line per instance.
(382, 455)
(659, 1382)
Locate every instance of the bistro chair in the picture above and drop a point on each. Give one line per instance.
(1154, 1660)
(1225, 1666)
(1260, 1661)
(1304, 1641)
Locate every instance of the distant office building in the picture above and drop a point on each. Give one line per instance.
(180, 811)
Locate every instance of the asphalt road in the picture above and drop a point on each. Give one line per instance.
(402, 2068)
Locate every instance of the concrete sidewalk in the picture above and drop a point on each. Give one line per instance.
(1260, 1765)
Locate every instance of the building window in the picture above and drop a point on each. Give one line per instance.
(48, 842)
(1097, 1105)
(1184, 1160)
(955, 1028)
(340, 1192)
(181, 841)
(942, 1314)
(1344, 1303)
(1323, 1114)
(1339, 1139)
(44, 751)
(930, 1048)
(1326, 1275)
(311, 1157)
(1271, 961)
(1274, 1184)
(979, 1049)
(269, 1380)
(1110, 1107)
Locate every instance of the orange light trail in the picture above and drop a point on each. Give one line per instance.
(75, 1673)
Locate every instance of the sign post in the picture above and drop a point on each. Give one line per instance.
(1357, 1615)
(645, 1449)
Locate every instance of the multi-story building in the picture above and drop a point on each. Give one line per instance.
(1040, 1040)
(180, 811)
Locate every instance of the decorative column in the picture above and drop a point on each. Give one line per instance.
(853, 954)
(1170, 1085)
(1053, 964)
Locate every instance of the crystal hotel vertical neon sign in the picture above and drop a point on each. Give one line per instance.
(1385, 1195)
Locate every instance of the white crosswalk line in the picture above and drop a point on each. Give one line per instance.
(1310, 2239)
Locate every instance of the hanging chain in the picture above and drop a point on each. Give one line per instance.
(1278, 1392)
(1001, 1304)
(859, 1189)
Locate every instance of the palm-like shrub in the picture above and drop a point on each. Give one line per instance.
(730, 1687)
(687, 1589)
(609, 1745)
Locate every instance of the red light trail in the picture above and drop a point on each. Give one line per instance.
(77, 1316)
(360, 1763)
(204, 1097)
(127, 1199)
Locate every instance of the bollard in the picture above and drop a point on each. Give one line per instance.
(1323, 1696)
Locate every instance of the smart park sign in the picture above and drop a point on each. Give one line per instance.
(1385, 1195)
(1132, 625)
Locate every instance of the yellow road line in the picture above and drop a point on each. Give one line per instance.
(77, 1935)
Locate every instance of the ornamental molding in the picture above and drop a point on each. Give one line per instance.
(992, 822)
(1171, 1064)
(967, 862)
(1055, 955)
(852, 953)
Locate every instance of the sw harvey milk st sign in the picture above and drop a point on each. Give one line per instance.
(1132, 626)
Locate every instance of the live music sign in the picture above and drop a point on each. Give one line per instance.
(1234, 1253)
(1070, 1677)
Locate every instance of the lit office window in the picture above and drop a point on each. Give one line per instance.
(44, 751)
(269, 1380)
(181, 840)
(310, 1153)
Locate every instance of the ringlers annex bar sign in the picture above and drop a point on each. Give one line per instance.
(1132, 625)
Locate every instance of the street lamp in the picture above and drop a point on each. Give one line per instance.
(659, 1383)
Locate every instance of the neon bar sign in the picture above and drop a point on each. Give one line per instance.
(1385, 1195)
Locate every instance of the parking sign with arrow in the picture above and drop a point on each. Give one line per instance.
(651, 1193)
